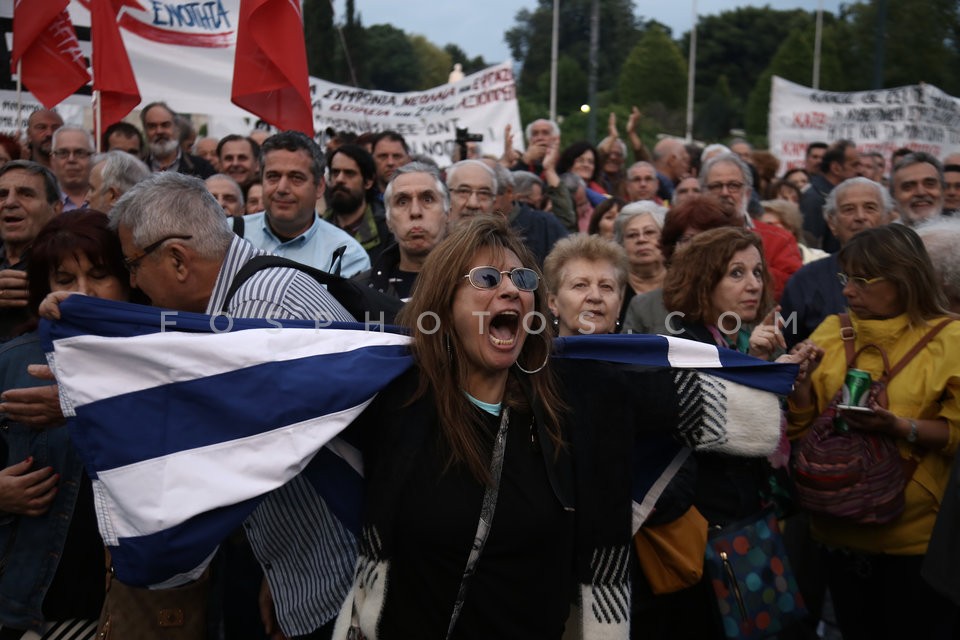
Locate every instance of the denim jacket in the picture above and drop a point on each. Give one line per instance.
(31, 547)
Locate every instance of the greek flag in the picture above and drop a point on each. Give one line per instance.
(184, 420)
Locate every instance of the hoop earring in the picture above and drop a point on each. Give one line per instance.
(537, 370)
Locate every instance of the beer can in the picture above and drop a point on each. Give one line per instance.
(856, 393)
(856, 388)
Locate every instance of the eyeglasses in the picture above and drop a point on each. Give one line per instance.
(80, 154)
(132, 264)
(857, 281)
(490, 278)
(732, 187)
(464, 193)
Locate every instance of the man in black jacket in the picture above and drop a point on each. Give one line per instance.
(417, 211)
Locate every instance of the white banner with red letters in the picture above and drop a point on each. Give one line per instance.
(920, 117)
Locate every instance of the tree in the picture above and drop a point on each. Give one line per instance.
(920, 43)
(530, 40)
(794, 61)
(320, 37)
(571, 85)
(655, 71)
(469, 65)
(739, 44)
(434, 63)
(389, 60)
(717, 115)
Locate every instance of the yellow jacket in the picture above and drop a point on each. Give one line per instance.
(928, 387)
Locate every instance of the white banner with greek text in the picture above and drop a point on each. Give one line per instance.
(920, 117)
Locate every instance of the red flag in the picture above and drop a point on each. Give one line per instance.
(44, 42)
(112, 73)
(270, 68)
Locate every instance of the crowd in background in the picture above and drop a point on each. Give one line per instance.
(717, 244)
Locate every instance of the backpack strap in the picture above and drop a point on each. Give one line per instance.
(259, 263)
(238, 225)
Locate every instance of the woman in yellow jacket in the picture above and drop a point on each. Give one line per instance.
(873, 571)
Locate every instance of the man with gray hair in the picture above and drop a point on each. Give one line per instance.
(941, 237)
(72, 148)
(543, 135)
(473, 189)
(29, 198)
(181, 253)
(417, 206)
(728, 178)
(917, 186)
(162, 129)
(227, 193)
(841, 161)
(814, 292)
(528, 188)
(112, 175)
(642, 183)
(540, 230)
(672, 162)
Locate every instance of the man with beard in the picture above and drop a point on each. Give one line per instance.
(951, 187)
(351, 172)
(417, 208)
(40, 127)
(163, 143)
(917, 186)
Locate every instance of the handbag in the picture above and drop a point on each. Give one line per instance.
(756, 590)
(134, 613)
(671, 554)
(855, 475)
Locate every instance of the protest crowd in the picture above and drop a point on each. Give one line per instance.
(847, 264)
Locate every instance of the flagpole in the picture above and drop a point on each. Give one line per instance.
(20, 94)
(98, 120)
(816, 46)
(691, 74)
(554, 46)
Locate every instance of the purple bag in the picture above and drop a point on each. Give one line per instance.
(854, 475)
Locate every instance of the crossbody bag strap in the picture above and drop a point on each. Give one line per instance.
(487, 510)
(917, 348)
(848, 335)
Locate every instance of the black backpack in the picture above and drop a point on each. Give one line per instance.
(364, 303)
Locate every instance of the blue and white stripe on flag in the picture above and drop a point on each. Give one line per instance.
(183, 426)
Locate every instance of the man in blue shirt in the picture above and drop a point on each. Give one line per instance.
(292, 172)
